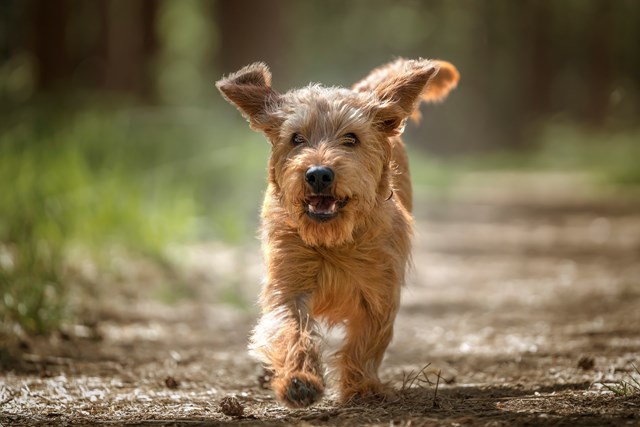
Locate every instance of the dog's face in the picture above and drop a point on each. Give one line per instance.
(331, 148)
(329, 162)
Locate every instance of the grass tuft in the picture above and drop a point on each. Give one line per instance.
(626, 388)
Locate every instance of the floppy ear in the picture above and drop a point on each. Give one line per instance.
(249, 89)
(398, 89)
(402, 84)
(445, 80)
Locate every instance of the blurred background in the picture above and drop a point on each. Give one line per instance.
(119, 159)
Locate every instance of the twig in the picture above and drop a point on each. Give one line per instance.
(408, 380)
(435, 393)
(426, 377)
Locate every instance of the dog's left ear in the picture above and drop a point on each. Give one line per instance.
(401, 85)
(445, 80)
(249, 89)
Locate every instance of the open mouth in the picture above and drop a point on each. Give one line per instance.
(323, 208)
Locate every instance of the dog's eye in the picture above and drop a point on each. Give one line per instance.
(297, 139)
(350, 139)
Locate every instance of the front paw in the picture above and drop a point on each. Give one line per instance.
(299, 390)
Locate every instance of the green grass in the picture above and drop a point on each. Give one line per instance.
(630, 387)
(131, 179)
(432, 175)
(610, 157)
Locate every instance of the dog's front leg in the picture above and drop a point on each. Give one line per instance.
(367, 336)
(286, 340)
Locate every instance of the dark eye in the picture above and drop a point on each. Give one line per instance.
(297, 139)
(350, 139)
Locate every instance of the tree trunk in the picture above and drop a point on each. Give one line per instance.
(599, 65)
(253, 30)
(130, 44)
(50, 19)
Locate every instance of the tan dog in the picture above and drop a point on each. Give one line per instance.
(336, 219)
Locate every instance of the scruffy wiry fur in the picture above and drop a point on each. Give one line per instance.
(347, 269)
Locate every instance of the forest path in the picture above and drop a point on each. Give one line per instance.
(526, 308)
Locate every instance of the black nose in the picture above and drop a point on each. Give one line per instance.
(319, 178)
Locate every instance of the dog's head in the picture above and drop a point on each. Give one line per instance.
(331, 147)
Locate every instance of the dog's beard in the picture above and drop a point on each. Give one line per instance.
(329, 233)
(326, 221)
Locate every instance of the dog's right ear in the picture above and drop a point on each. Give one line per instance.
(249, 89)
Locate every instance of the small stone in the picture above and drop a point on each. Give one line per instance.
(171, 382)
(586, 363)
(231, 406)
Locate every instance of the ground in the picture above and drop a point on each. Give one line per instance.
(522, 308)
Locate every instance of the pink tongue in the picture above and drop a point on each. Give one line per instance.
(322, 205)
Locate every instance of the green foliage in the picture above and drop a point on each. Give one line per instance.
(430, 175)
(187, 39)
(611, 157)
(101, 180)
(233, 297)
(33, 292)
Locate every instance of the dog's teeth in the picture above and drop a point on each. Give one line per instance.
(323, 206)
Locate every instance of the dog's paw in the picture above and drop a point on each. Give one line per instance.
(368, 393)
(301, 393)
(299, 390)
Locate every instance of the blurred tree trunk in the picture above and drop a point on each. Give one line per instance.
(50, 19)
(130, 44)
(253, 30)
(126, 45)
(599, 62)
(539, 69)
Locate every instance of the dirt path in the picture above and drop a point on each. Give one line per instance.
(525, 308)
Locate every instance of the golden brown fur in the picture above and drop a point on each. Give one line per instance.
(347, 269)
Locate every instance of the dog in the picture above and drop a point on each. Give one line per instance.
(336, 220)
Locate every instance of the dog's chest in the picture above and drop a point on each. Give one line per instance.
(349, 279)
